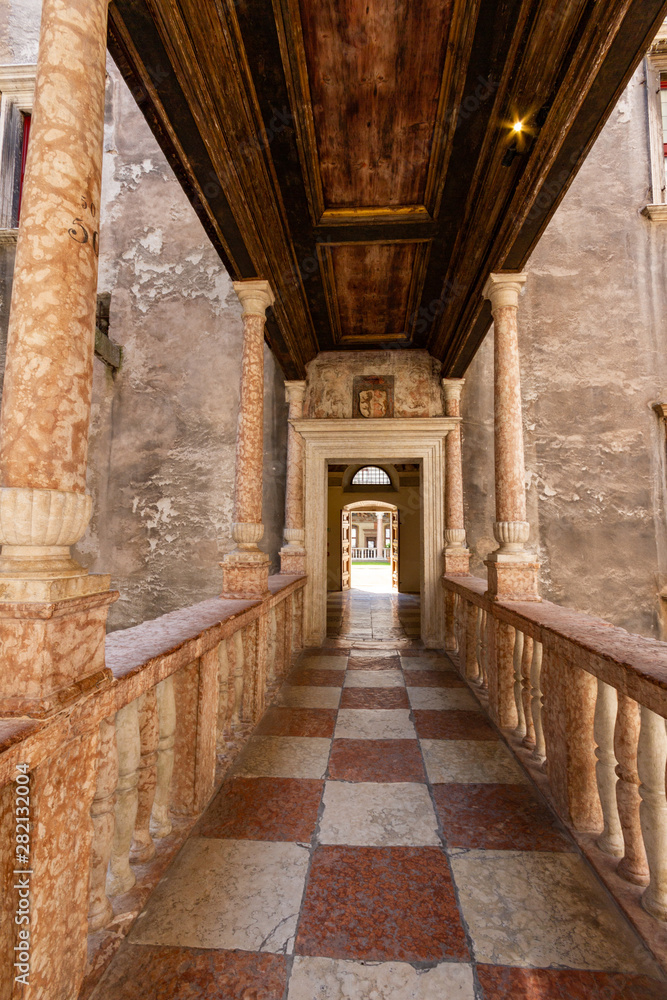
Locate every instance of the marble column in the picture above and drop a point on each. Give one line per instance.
(457, 555)
(245, 570)
(293, 554)
(513, 571)
(378, 530)
(52, 613)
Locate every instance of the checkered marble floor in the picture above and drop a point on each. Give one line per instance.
(361, 616)
(377, 841)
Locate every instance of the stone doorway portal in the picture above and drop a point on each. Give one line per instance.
(380, 442)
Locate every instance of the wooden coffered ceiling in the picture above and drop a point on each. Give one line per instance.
(360, 154)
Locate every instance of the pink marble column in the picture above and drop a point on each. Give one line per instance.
(52, 612)
(293, 554)
(513, 572)
(378, 530)
(457, 556)
(245, 570)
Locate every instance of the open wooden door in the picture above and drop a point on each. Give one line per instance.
(346, 555)
(394, 549)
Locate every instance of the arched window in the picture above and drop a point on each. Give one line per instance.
(371, 475)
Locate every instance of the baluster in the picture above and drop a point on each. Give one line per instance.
(479, 679)
(526, 663)
(288, 611)
(485, 651)
(517, 659)
(239, 665)
(166, 711)
(261, 647)
(540, 751)
(450, 621)
(470, 651)
(633, 866)
(251, 668)
(652, 765)
(297, 621)
(143, 848)
(459, 627)
(502, 708)
(223, 691)
(100, 910)
(271, 645)
(121, 877)
(611, 839)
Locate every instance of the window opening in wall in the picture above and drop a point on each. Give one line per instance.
(371, 475)
(663, 113)
(27, 121)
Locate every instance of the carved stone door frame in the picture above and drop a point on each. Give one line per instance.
(375, 442)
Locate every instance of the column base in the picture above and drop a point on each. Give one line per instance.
(292, 561)
(512, 579)
(457, 562)
(245, 575)
(53, 650)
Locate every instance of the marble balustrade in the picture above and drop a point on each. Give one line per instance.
(184, 686)
(583, 704)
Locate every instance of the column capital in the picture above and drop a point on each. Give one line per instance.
(452, 388)
(503, 288)
(295, 392)
(255, 296)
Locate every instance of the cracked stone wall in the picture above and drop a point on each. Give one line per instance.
(592, 342)
(163, 429)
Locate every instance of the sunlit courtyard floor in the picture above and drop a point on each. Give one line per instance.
(375, 579)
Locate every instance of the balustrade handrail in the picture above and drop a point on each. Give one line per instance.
(379, 555)
(139, 658)
(178, 699)
(583, 704)
(631, 663)
(142, 656)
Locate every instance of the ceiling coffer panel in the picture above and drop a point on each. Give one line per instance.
(375, 73)
(372, 289)
(361, 155)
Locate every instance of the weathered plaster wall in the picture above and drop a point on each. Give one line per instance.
(417, 390)
(19, 30)
(163, 430)
(163, 447)
(592, 339)
(19, 37)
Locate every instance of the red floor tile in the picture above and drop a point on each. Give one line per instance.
(432, 725)
(376, 760)
(317, 678)
(496, 817)
(194, 974)
(278, 721)
(432, 678)
(263, 809)
(374, 698)
(374, 663)
(381, 904)
(499, 983)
